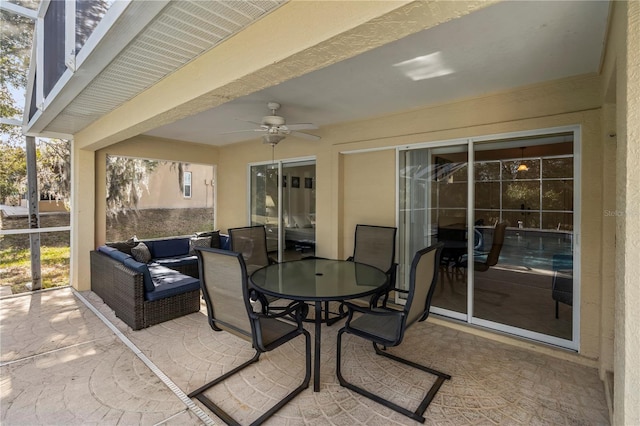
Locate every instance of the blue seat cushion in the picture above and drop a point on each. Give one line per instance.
(143, 269)
(114, 253)
(225, 244)
(168, 248)
(172, 262)
(168, 282)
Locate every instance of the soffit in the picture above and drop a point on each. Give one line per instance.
(182, 31)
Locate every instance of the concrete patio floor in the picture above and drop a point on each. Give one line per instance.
(61, 364)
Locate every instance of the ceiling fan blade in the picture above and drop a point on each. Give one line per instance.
(302, 126)
(305, 136)
(251, 122)
(243, 131)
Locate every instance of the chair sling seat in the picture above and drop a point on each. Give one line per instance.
(272, 330)
(382, 329)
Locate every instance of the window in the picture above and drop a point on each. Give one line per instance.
(186, 185)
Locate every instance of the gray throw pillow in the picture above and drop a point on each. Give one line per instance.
(198, 242)
(125, 246)
(215, 237)
(141, 253)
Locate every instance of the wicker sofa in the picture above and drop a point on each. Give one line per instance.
(144, 294)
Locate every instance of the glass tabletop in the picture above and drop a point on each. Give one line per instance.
(319, 279)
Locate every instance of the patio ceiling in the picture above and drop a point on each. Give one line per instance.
(500, 47)
(503, 46)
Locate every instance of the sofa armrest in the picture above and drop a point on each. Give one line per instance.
(128, 300)
(121, 288)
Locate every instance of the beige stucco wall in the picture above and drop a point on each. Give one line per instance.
(368, 181)
(627, 300)
(163, 189)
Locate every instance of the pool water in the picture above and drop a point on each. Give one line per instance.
(534, 250)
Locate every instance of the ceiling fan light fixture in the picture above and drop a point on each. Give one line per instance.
(271, 138)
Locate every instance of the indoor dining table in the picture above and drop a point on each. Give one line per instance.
(318, 280)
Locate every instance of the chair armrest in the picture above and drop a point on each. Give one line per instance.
(295, 309)
(365, 310)
(350, 259)
(385, 294)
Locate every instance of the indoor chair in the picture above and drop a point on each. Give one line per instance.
(562, 283)
(494, 253)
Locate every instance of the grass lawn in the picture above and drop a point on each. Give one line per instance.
(15, 261)
(16, 267)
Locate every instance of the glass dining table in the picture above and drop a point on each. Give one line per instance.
(318, 280)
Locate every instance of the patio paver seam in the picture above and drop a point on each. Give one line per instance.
(13, 361)
(159, 373)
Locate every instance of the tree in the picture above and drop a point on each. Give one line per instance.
(13, 173)
(126, 179)
(54, 169)
(15, 44)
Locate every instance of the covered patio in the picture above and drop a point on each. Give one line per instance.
(108, 100)
(66, 359)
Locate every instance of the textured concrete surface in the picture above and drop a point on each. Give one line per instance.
(61, 365)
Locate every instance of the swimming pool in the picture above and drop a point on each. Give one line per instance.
(533, 249)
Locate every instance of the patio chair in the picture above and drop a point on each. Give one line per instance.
(251, 241)
(225, 288)
(386, 327)
(376, 246)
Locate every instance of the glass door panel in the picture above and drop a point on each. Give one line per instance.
(534, 267)
(299, 209)
(433, 207)
(264, 204)
(283, 200)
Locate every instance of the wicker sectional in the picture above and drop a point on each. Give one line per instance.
(122, 289)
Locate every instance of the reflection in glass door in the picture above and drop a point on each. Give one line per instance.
(283, 199)
(433, 192)
(523, 277)
(508, 262)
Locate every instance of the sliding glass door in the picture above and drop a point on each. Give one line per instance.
(505, 209)
(282, 197)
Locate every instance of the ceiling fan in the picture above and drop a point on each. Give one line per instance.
(275, 128)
